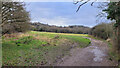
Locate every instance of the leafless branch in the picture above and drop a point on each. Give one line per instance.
(93, 2)
(82, 4)
(76, 2)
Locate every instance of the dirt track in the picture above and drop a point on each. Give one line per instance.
(94, 55)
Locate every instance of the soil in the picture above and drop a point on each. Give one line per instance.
(94, 55)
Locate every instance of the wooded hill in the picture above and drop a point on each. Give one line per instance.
(77, 29)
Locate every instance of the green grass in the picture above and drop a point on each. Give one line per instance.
(78, 38)
(38, 48)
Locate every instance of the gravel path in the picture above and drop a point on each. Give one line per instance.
(94, 55)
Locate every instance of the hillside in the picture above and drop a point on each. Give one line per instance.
(77, 29)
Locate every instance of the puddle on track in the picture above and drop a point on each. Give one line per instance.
(97, 53)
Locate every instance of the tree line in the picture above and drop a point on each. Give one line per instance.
(37, 26)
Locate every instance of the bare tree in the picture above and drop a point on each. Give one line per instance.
(15, 17)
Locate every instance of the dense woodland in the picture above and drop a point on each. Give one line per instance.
(16, 19)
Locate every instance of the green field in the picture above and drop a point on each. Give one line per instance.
(39, 48)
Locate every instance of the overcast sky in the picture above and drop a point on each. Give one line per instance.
(62, 13)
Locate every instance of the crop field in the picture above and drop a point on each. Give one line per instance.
(39, 48)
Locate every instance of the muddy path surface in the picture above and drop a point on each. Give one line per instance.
(94, 55)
